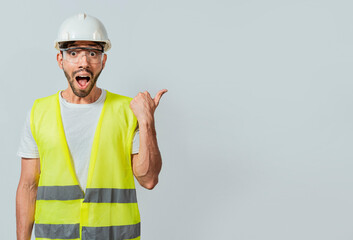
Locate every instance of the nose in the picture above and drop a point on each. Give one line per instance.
(83, 63)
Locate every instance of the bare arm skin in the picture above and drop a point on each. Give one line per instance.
(26, 197)
(147, 164)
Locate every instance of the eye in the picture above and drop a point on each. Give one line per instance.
(72, 53)
(92, 54)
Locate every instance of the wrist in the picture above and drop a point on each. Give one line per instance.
(146, 121)
(147, 125)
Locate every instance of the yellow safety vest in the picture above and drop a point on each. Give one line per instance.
(108, 209)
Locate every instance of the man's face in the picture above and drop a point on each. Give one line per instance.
(82, 74)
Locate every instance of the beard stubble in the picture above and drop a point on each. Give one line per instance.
(81, 92)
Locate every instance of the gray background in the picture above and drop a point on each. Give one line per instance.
(255, 131)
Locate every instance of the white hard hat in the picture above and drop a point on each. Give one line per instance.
(82, 27)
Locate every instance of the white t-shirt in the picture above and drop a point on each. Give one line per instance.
(80, 122)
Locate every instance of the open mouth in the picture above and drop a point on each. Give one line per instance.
(82, 81)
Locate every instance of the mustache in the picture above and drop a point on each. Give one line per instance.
(82, 70)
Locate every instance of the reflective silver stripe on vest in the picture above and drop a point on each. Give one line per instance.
(57, 231)
(111, 233)
(59, 192)
(110, 195)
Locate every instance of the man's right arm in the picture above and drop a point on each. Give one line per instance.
(26, 197)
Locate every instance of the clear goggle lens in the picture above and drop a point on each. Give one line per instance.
(74, 55)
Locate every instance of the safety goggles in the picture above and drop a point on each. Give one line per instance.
(74, 54)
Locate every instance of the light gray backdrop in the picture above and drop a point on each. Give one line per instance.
(256, 130)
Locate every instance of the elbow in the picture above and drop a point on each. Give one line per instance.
(26, 190)
(150, 184)
(28, 187)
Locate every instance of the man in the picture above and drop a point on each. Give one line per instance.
(82, 146)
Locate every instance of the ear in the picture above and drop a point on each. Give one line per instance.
(59, 59)
(104, 60)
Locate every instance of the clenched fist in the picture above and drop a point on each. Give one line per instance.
(143, 106)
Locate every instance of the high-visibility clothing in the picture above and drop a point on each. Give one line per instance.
(108, 209)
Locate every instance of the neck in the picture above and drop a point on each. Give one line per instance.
(69, 96)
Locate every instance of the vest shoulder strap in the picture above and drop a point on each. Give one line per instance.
(38, 109)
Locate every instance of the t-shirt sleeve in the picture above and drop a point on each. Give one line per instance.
(136, 142)
(28, 146)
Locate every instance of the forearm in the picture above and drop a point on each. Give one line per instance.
(149, 162)
(25, 209)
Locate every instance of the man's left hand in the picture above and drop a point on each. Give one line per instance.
(143, 106)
